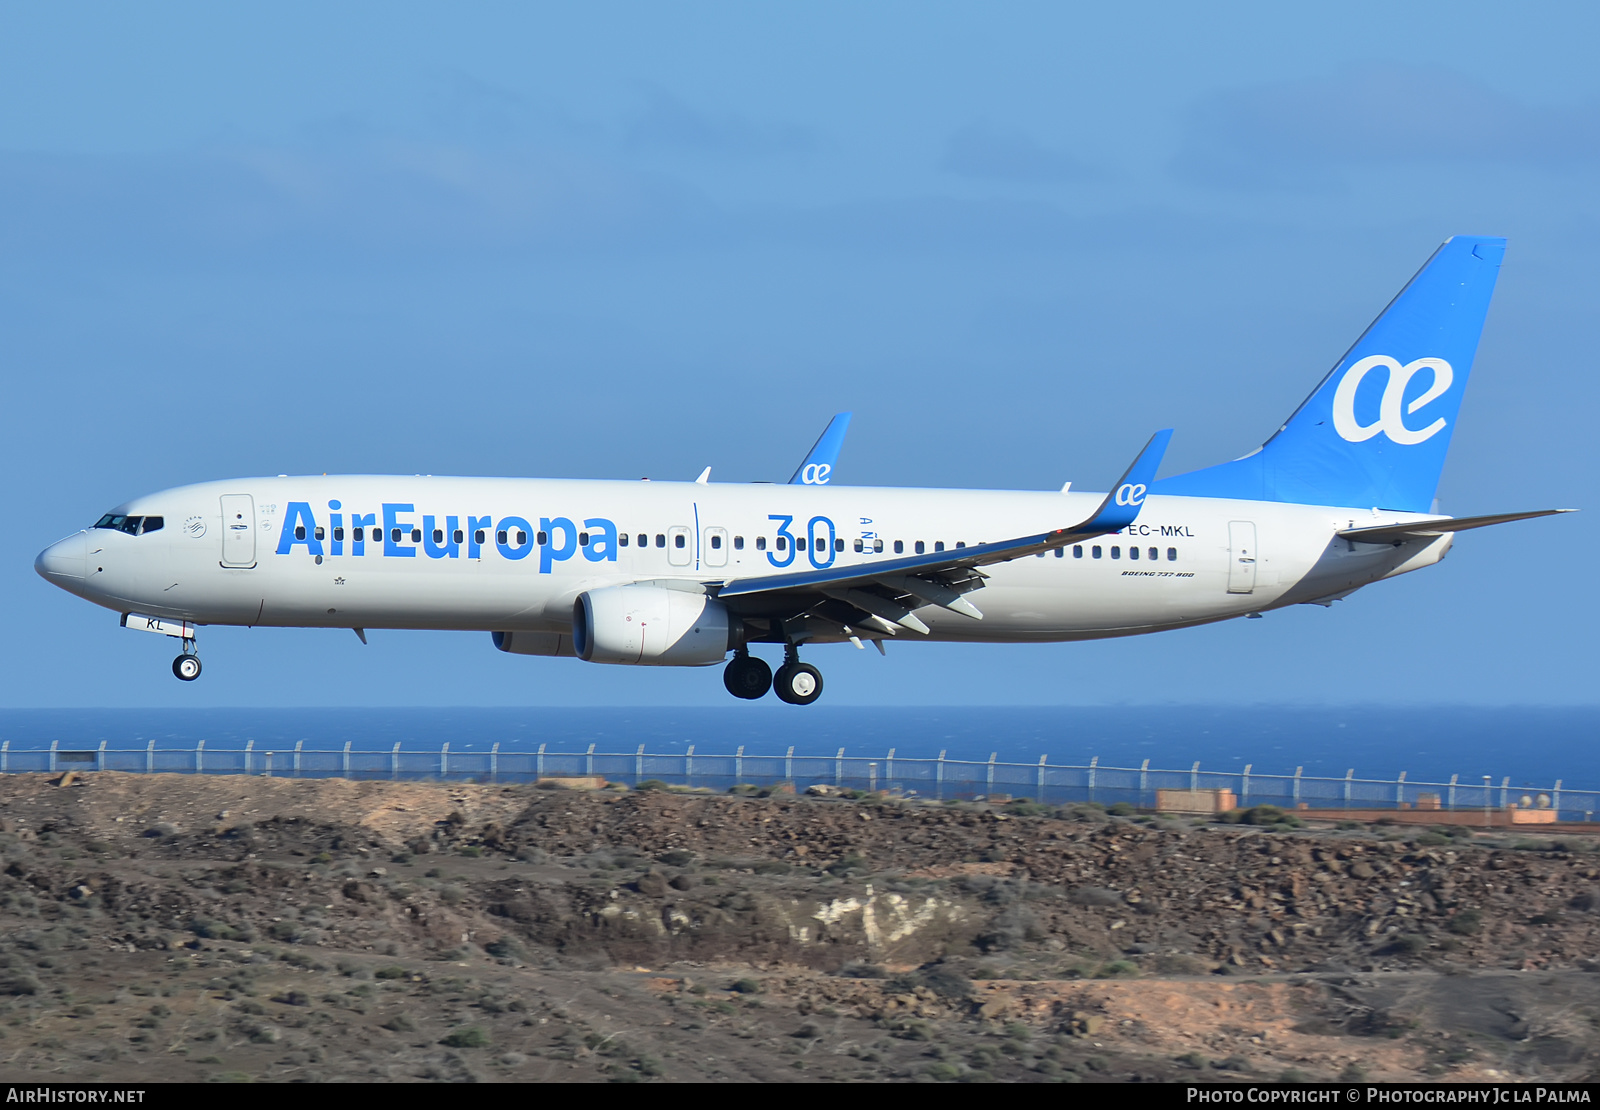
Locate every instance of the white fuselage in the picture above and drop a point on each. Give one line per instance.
(1198, 559)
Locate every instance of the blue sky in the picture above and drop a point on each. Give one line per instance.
(617, 240)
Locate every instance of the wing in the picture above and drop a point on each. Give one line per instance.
(881, 594)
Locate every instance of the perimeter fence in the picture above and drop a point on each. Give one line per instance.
(939, 778)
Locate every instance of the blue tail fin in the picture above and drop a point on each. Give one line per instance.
(1374, 433)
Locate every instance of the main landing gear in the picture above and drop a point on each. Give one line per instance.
(187, 665)
(750, 678)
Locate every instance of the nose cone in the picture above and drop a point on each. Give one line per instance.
(62, 563)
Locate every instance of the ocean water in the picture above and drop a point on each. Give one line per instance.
(1533, 746)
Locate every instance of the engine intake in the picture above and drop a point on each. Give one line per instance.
(651, 626)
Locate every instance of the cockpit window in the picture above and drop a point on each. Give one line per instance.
(133, 525)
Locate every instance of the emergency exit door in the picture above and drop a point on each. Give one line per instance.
(238, 530)
(1241, 557)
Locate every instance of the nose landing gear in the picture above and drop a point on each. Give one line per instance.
(187, 665)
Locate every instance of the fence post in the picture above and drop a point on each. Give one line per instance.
(638, 766)
(588, 761)
(100, 757)
(1400, 790)
(394, 761)
(838, 768)
(345, 762)
(688, 766)
(298, 744)
(5, 756)
(444, 759)
(1244, 793)
(992, 756)
(1194, 777)
(268, 772)
(1555, 799)
(1040, 798)
(1505, 791)
(53, 744)
(150, 757)
(1094, 763)
(888, 772)
(494, 762)
(1144, 781)
(1452, 802)
(1348, 775)
(1297, 773)
(938, 776)
(788, 765)
(249, 746)
(539, 763)
(738, 765)
(1488, 801)
(199, 757)
(872, 778)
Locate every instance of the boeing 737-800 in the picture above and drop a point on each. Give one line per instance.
(683, 573)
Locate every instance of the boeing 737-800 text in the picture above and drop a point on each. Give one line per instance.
(682, 573)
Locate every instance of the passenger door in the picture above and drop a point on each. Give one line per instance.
(238, 530)
(1241, 557)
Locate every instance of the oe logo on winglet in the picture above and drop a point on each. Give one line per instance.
(1390, 420)
(815, 474)
(1130, 495)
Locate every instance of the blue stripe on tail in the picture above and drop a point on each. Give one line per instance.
(1375, 431)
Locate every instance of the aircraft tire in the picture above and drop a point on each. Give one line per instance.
(797, 683)
(186, 667)
(747, 677)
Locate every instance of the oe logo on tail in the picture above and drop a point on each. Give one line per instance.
(1391, 421)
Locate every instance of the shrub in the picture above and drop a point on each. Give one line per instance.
(1022, 807)
(1118, 969)
(1465, 923)
(470, 1037)
(676, 857)
(1431, 840)
(652, 784)
(746, 986)
(1122, 809)
(391, 973)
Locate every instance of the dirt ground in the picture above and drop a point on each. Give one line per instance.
(172, 927)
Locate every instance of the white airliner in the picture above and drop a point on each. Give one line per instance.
(682, 573)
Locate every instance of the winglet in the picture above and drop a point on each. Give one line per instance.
(817, 466)
(1121, 506)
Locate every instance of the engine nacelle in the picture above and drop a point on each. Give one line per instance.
(534, 643)
(650, 626)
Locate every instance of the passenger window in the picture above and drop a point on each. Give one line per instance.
(899, 547)
(921, 547)
(1155, 553)
(678, 541)
(738, 543)
(477, 536)
(438, 535)
(838, 545)
(151, 524)
(716, 543)
(1077, 551)
(938, 545)
(583, 539)
(1116, 552)
(961, 543)
(359, 535)
(522, 538)
(661, 539)
(1133, 552)
(783, 543)
(1172, 554)
(319, 533)
(394, 535)
(622, 540)
(338, 535)
(1095, 551)
(877, 546)
(457, 536)
(542, 538)
(644, 540)
(1061, 553)
(299, 531)
(500, 536)
(800, 544)
(761, 543)
(860, 546)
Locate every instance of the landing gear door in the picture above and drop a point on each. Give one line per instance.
(238, 530)
(1241, 557)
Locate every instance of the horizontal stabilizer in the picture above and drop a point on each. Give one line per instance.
(1428, 529)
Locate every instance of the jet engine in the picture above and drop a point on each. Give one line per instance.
(651, 626)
